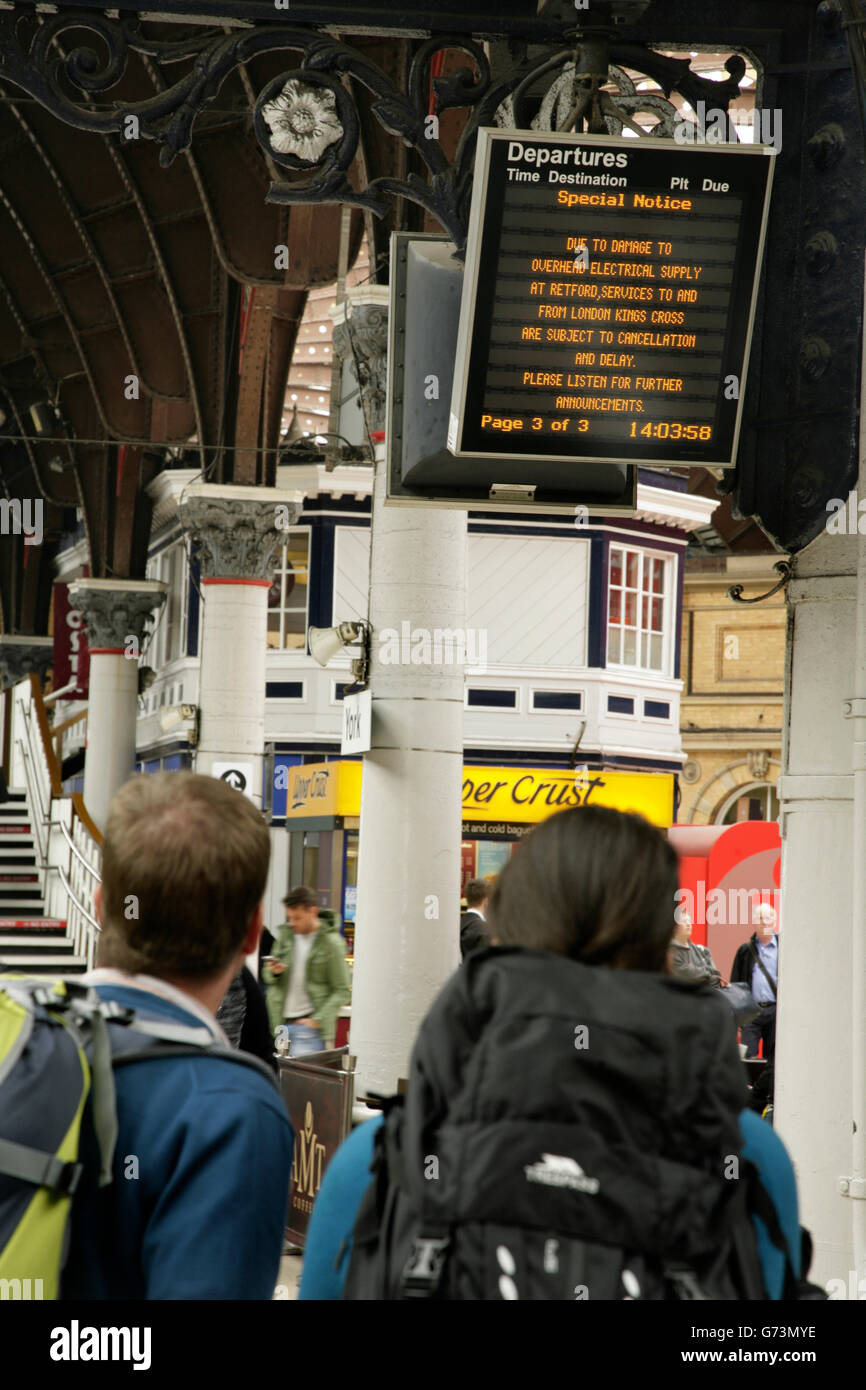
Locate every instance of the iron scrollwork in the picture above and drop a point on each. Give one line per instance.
(782, 567)
(306, 118)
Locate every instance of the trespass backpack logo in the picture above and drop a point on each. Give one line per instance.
(59, 1045)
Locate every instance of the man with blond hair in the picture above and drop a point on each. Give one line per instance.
(197, 1202)
(756, 964)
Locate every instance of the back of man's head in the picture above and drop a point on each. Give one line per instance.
(184, 865)
(477, 892)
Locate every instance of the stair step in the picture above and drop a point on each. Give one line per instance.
(20, 900)
(21, 945)
(18, 878)
(46, 965)
(32, 940)
(32, 925)
(13, 796)
(22, 844)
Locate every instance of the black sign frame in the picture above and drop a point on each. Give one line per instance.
(719, 162)
(476, 490)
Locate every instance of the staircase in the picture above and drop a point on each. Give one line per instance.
(30, 942)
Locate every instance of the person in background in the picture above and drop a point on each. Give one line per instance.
(243, 1015)
(306, 975)
(689, 960)
(473, 932)
(756, 964)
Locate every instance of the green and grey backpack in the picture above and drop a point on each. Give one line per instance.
(59, 1045)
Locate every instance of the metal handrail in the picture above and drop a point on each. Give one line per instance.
(34, 795)
(81, 923)
(81, 908)
(77, 852)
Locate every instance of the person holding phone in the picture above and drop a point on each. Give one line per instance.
(306, 975)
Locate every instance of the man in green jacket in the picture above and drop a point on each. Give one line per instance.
(306, 975)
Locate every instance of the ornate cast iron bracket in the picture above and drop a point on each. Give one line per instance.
(306, 119)
(783, 567)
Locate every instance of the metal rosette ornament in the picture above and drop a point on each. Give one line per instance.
(306, 121)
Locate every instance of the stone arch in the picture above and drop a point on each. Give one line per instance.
(726, 780)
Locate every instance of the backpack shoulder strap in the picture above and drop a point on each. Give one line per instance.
(763, 1206)
(161, 1050)
(367, 1274)
(763, 969)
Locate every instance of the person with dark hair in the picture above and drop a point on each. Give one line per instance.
(306, 974)
(472, 926)
(581, 1110)
(243, 1015)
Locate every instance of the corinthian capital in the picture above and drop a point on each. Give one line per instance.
(22, 654)
(116, 609)
(238, 529)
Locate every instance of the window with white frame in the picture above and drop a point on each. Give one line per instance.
(168, 642)
(288, 594)
(637, 607)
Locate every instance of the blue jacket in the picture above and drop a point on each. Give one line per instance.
(329, 1237)
(198, 1203)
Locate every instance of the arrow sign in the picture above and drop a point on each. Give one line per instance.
(237, 775)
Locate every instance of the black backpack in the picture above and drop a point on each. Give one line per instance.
(396, 1254)
(512, 1170)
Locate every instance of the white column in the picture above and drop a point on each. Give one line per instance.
(407, 925)
(814, 1111)
(116, 611)
(238, 529)
(232, 681)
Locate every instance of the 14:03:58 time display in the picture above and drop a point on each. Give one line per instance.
(674, 429)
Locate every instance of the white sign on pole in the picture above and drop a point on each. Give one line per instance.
(238, 775)
(357, 722)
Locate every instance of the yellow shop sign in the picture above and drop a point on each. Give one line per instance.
(512, 794)
(533, 794)
(324, 789)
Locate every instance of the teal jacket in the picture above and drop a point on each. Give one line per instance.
(326, 975)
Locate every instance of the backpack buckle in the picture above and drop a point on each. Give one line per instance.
(422, 1273)
(49, 1000)
(68, 1179)
(113, 1012)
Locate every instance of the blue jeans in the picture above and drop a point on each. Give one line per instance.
(303, 1039)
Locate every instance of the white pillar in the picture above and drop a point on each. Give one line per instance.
(239, 529)
(116, 612)
(232, 681)
(407, 924)
(814, 1112)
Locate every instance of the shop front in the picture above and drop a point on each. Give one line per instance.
(322, 816)
(500, 806)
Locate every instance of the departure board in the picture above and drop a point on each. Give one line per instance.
(608, 299)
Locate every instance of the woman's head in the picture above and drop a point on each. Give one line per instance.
(593, 884)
